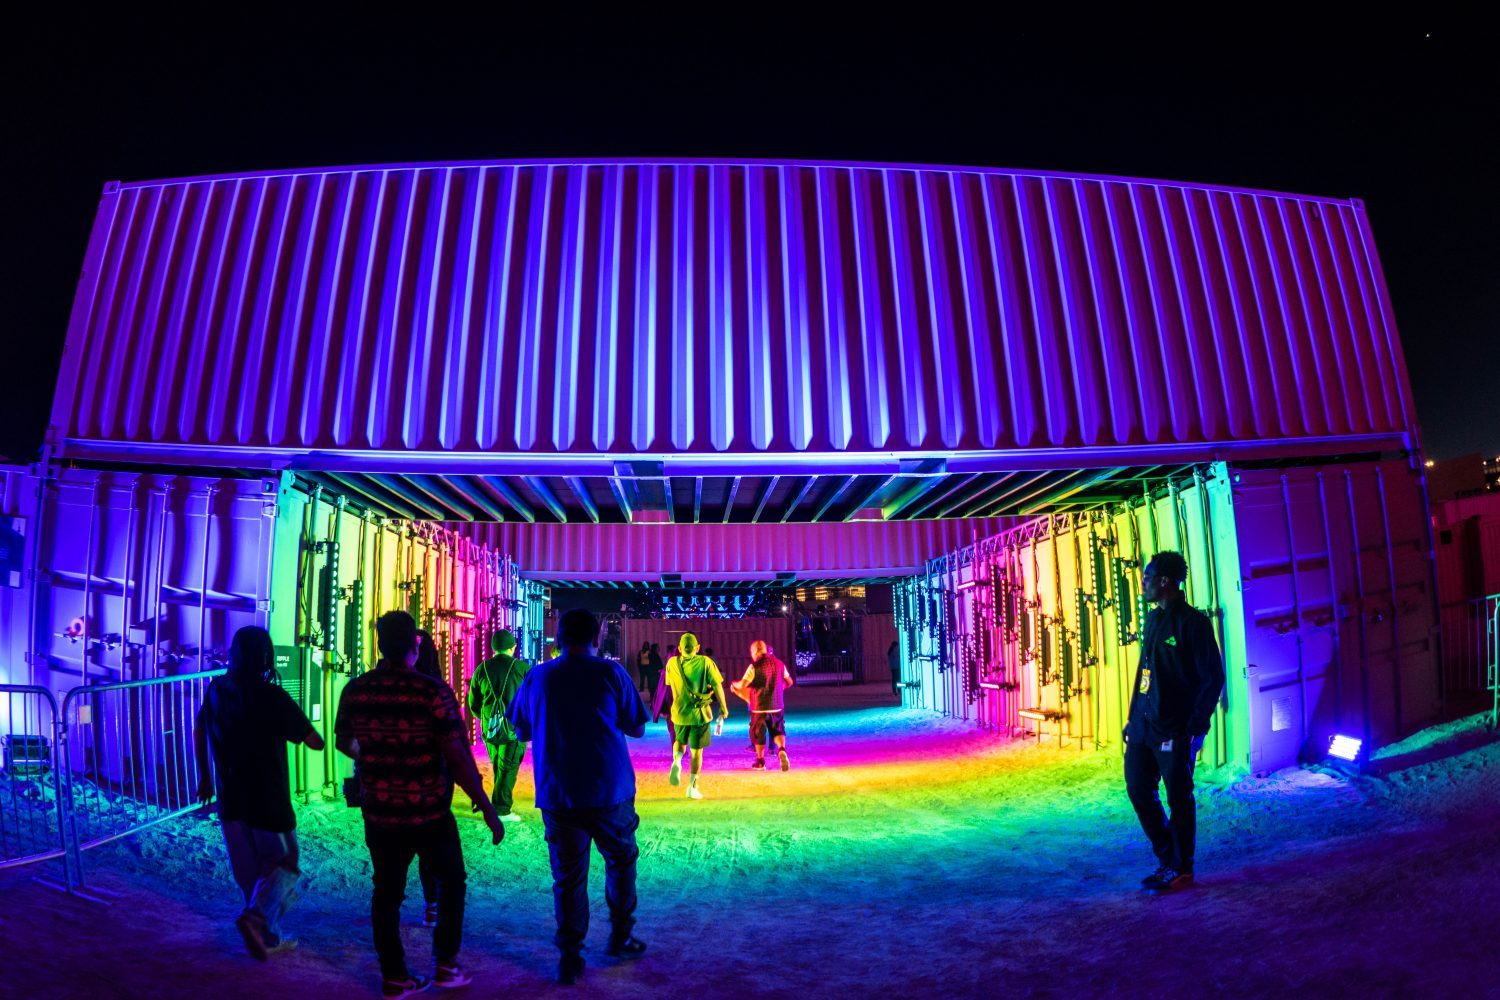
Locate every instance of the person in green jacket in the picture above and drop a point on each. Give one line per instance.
(491, 689)
(696, 683)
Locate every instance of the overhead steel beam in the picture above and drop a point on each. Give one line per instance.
(956, 484)
(474, 496)
(913, 493)
(508, 493)
(549, 500)
(792, 507)
(433, 487)
(411, 496)
(770, 488)
(617, 487)
(734, 489)
(833, 497)
(578, 486)
(355, 483)
(975, 501)
(1072, 490)
(697, 499)
(666, 485)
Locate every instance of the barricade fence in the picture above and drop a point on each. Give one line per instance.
(1490, 607)
(31, 784)
(112, 761)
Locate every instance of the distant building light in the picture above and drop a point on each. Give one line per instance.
(1429, 463)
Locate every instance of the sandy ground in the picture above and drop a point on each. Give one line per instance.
(904, 855)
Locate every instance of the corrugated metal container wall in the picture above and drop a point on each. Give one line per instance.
(1041, 633)
(731, 551)
(569, 307)
(138, 575)
(1340, 616)
(879, 633)
(340, 569)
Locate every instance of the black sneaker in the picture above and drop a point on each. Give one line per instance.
(1171, 880)
(630, 947)
(450, 975)
(1154, 877)
(759, 765)
(569, 968)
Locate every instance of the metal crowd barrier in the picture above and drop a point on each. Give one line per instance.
(32, 790)
(1491, 610)
(129, 758)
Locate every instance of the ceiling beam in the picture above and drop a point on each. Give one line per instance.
(617, 487)
(420, 500)
(954, 485)
(578, 486)
(355, 483)
(697, 499)
(1072, 490)
(770, 488)
(549, 500)
(974, 503)
(833, 497)
(792, 507)
(474, 496)
(734, 488)
(922, 485)
(505, 491)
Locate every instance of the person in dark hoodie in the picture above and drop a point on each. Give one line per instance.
(764, 689)
(247, 722)
(1177, 686)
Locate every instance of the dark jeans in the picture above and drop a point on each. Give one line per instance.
(1146, 764)
(612, 831)
(505, 758)
(391, 853)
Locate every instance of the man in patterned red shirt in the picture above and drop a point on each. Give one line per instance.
(407, 733)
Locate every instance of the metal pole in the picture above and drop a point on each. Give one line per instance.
(1390, 563)
(1364, 635)
(208, 515)
(88, 587)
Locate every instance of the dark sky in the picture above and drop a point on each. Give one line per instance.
(1403, 114)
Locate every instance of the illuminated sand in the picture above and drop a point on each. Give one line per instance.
(902, 852)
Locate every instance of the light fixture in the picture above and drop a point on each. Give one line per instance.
(1347, 754)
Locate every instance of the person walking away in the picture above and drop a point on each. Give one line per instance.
(247, 721)
(652, 673)
(764, 689)
(407, 734)
(490, 692)
(696, 683)
(429, 664)
(577, 711)
(643, 665)
(893, 661)
(1177, 686)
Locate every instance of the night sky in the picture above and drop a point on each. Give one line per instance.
(1403, 114)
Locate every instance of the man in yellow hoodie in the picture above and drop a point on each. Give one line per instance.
(696, 683)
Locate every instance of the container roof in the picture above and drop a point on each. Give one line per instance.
(720, 321)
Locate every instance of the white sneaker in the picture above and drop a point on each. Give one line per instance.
(693, 792)
(675, 775)
(511, 818)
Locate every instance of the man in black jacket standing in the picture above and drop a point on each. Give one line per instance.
(1177, 687)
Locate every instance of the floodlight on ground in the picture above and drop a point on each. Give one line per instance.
(1347, 753)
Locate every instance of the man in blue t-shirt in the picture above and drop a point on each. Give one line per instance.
(576, 711)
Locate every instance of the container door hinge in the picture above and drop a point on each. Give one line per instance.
(264, 604)
(270, 510)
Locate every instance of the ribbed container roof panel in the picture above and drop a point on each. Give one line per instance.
(702, 307)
